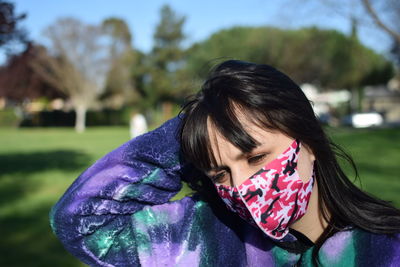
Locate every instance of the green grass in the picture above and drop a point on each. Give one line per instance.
(376, 153)
(37, 166)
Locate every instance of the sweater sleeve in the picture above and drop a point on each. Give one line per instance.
(98, 219)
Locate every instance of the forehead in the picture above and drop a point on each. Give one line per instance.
(221, 145)
(249, 127)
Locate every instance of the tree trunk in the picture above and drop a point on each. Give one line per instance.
(80, 119)
(167, 110)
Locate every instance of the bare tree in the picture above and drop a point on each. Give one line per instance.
(387, 16)
(393, 6)
(76, 62)
(375, 18)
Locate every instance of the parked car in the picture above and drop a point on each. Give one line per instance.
(363, 120)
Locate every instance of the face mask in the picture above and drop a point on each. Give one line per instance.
(274, 197)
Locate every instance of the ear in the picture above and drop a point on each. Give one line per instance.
(312, 156)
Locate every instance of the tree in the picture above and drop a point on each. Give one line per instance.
(310, 55)
(166, 61)
(394, 5)
(120, 84)
(77, 65)
(19, 82)
(390, 26)
(10, 31)
(360, 13)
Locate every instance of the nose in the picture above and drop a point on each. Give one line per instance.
(239, 173)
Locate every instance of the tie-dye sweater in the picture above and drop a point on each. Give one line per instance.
(118, 213)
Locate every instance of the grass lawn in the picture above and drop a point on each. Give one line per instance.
(37, 165)
(376, 153)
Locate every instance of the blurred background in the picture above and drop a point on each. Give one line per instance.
(79, 78)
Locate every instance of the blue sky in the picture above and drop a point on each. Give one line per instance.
(203, 17)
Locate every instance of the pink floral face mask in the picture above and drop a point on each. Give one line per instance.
(274, 197)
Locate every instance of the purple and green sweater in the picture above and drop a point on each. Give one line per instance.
(118, 213)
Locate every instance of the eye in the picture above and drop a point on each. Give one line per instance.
(256, 159)
(219, 177)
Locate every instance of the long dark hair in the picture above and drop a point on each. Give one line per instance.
(271, 99)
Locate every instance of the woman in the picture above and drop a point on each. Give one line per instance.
(270, 190)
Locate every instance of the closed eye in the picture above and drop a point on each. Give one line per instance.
(256, 159)
(219, 177)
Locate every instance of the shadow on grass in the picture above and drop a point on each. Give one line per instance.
(28, 241)
(16, 170)
(66, 160)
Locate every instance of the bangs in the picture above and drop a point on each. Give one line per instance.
(223, 116)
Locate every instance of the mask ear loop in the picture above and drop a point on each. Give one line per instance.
(312, 173)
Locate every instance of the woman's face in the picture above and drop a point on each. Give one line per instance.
(234, 166)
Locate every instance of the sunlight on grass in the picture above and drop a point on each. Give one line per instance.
(38, 165)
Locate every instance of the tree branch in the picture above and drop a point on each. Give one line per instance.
(379, 22)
